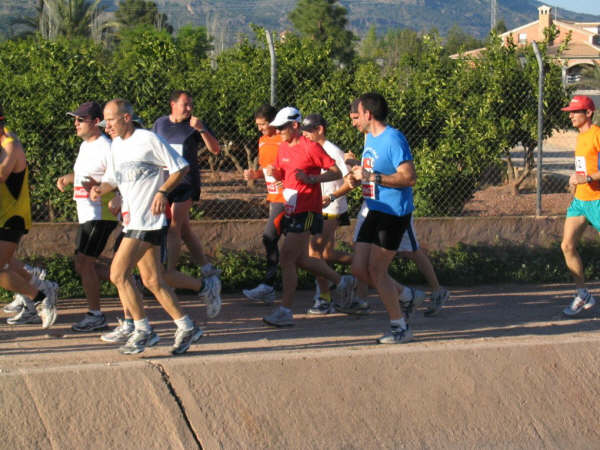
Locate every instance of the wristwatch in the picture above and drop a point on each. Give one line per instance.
(377, 179)
(331, 198)
(588, 179)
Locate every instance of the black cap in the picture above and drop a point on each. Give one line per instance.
(312, 121)
(87, 109)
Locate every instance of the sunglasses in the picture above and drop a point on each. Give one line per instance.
(82, 119)
(284, 126)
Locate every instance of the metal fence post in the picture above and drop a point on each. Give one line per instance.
(273, 67)
(538, 56)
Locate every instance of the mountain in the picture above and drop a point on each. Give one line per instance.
(226, 19)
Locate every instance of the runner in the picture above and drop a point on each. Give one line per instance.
(585, 206)
(15, 220)
(185, 133)
(268, 145)
(136, 168)
(298, 166)
(96, 221)
(387, 175)
(409, 248)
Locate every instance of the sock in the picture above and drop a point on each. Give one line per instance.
(35, 282)
(398, 323)
(325, 296)
(582, 292)
(128, 323)
(39, 297)
(184, 323)
(95, 312)
(406, 294)
(142, 325)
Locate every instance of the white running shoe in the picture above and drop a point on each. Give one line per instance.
(47, 309)
(280, 318)
(417, 298)
(396, 335)
(211, 292)
(120, 334)
(344, 291)
(16, 305)
(438, 300)
(261, 293)
(23, 317)
(90, 322)
(37, 272)
(138, 341)
(580, 304)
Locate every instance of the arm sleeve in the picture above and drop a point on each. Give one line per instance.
(167, 155)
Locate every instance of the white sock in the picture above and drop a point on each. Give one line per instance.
(398, 323)
(184, 323)
(142, 325)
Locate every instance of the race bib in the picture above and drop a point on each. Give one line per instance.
(291, 197)
(580, 166)
(80, 192)
(271, 182)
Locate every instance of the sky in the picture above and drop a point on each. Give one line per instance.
(580, 6)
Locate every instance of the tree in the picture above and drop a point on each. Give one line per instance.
(132, 13)
(194, 42)
(68, 18)
(324, 20)
(458, 40)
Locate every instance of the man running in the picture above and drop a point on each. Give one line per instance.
(268, 146)
(96, 222)
(136, 169)
(585, 206)
(387, 175)
(186, 133)
(298, 165)
(15, 220)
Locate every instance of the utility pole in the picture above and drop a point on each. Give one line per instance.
(492, 15)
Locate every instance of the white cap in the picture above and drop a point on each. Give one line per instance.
(285, 115)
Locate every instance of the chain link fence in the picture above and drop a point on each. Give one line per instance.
(501, 182)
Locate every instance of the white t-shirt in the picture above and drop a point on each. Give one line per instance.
(91, 162)
(340, 205)
(136, 168)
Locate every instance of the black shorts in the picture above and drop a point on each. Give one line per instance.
(11, 235)
(92, 237)
(154, 237)
(343, 219)
(184, 192)
(301, 222)
(383, 230)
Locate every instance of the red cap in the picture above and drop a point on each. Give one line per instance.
(580, 103)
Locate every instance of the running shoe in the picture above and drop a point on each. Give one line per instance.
(344, 292)
(580, 304)
(261, 293)
(37, 272)
(138, 341)
(438, 300)
(185, 338)
(16, 305)
(211, 292)
(396, 335)
(358, 306)
(47, 309)
(280, 317)
(24, 316)
(90, 322)
(120, 334)
(321, 307)
(209, 270)
(417, 298)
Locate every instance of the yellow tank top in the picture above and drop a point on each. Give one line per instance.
(15, 207)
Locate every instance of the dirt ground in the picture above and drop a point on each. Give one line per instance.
(494, 370)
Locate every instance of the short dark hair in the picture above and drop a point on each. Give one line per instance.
(354, 106)
(375, 104)
(178, 93)
(265, 111)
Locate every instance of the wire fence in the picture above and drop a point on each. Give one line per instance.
(505, 186)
